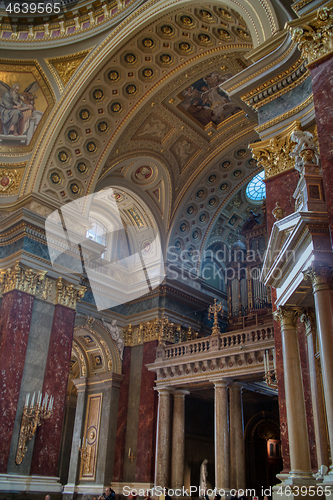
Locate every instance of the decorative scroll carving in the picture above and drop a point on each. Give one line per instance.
(274, 154)
(114, 331)
(315, 37)
(160, 329)
(287, 316)
(67, 294)
(305, 150)
(21, 278)
(320, 276)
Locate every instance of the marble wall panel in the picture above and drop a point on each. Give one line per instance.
(33, 375)
(48, 437)
(147, 418)
(15, 319)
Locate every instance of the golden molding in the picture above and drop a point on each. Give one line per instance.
(21, 278)
(11, 177)
(63, 68)
(313, 35)
(160, 329)
(274, 154)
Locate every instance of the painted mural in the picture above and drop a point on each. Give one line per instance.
(24, 99)
(206, 102)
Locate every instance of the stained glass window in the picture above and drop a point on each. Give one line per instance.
(256, 189)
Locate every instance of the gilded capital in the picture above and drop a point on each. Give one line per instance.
(21, 278)
(67, 294)
(320, 277)
(314, 36)
(274, 154)
(286, 316)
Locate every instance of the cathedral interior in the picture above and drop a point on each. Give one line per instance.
(166, 248)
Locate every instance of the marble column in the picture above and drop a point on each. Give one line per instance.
(316, 392)
(15, 318)
(178, 439)
(237, 447)
(296, 414)
(81, 387)
(321, 279)
(221, 436)
(162, 459)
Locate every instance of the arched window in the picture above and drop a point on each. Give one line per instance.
(256, 189)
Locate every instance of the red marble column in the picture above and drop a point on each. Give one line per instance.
(280, 188)
(281, 392)
(15, 319)
(303, 352)
(118, 468)
(147, 418)
(48, 436)
(322, 88)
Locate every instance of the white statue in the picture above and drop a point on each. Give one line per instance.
(114, 331)
(305, 150)
(203, 477)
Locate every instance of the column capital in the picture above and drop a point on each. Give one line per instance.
(21, 278)
(309, 319)
(320, 276)
(220, 384)
(164, 391)
(287, 316)
(181, 393)
(68, 294)
(313, 34)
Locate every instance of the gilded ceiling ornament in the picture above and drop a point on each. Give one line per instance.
(66, 67)
(187, 20)
(148, 43)
(224, 13)
(131, 89)
(98, 94)
(67, 294)
(130, 58)
(165, 58)
(91, 147)
(113, 75)
(9, 181)
(73, 135)
(274, 154)
(206, 15)
(102, 127)
(21, 278)
(63, 157)
(74, 188)
(203, 38)
(167, 30)
(55, 178)
(315, 37)
(224, 34)
(148, 72)
(116, 107)
(82, 167)
(184, 46)
(84, 114)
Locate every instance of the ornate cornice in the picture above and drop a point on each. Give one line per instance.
(67, 294)
(21, 278)
(314, 35)
(274, 154)
(320, 276)
(160, 329)
(287, 316)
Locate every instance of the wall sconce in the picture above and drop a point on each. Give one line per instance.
(270, 376)
(85, 453)
(32, 417)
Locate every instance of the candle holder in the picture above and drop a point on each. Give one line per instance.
(32, 417)
(85, 453)
(270, 375)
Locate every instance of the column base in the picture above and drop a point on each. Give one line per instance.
(14, 483)
(91, 489)
(294, 487)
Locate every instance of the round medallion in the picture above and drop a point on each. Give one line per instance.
(252, 161)
(200, 193)
(82, 167)
(224, 33)
(187, 20)
(212, 178)
(224, 13)
(203, 38)
(102, 126)
(113, 75)
(91, 147)
(242, 33)
(241, 152)
(148, 43)
(148, 73)
(183, 227)
(73, 135)
(74, 188)
(178, 245)
(131, 89)
(203, 218)
(5, 181)
(237, 173)
(143, 173)
(98, 94)
(55, 178)
(206, 15)
(167, 30)
(190, 210)
(226, 164)
(224, 186)
(165, 58)
(116, 107)
(84, 114)
(212, 202)
(130, 58)
(195, 235)
(184, 46)
(63, 156)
